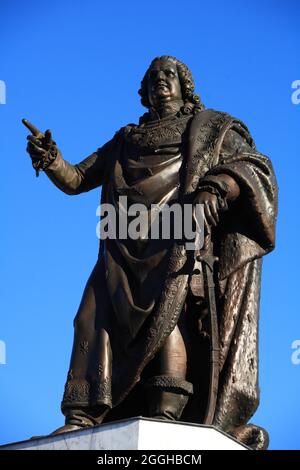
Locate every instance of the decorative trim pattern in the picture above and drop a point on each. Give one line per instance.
(85, 393)
(158, 133)
(168, 382)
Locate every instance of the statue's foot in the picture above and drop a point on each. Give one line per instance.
(162, 418)
(253, 436)
(66, 428)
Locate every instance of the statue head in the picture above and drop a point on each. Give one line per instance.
(167, 79)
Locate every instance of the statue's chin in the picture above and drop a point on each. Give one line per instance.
(164, 100)
(166, 105)
(163, 94)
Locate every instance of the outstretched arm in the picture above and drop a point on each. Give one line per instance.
(71, 179)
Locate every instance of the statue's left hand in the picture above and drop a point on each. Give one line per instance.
(211, 206)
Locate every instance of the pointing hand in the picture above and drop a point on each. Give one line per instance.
(38, 147)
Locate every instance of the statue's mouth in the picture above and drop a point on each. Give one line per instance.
(161, 86)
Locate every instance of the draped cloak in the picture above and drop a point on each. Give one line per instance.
(148, 281)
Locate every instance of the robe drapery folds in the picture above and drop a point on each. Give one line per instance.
(148, 283)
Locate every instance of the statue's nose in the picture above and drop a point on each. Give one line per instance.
(161, 75)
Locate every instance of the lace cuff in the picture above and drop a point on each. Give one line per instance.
(42, 163)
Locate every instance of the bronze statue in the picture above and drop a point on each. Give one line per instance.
(162, 331)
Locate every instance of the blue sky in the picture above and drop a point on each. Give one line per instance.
(75, 67)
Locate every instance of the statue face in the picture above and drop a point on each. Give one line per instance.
(163, 83)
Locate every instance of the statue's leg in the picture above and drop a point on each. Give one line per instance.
(168, 391)
(172, 358)
(87, 397)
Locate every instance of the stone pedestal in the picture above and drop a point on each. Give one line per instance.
(135, 434)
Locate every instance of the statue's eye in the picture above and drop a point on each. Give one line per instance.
(170, 73)
(152, 74)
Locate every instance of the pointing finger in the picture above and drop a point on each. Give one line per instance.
(34, 130)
